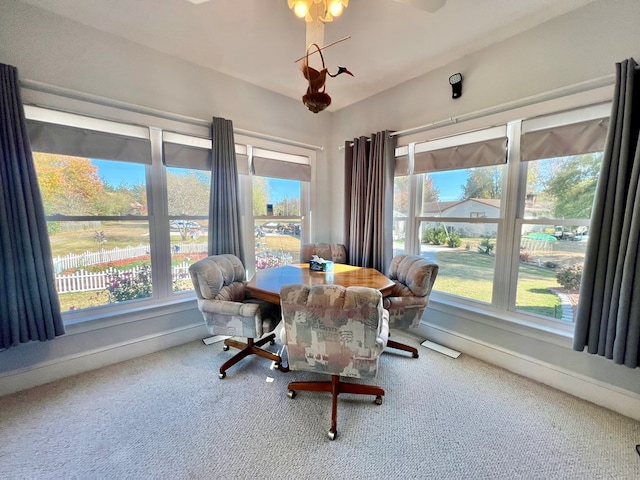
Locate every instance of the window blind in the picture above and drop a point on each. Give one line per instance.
(563, 141)
(85, 143)
(267, 163)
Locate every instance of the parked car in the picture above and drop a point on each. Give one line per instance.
(182, 225)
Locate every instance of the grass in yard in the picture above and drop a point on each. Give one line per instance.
(534, 294)
(116, 234)
(80, 300)
(470, 274)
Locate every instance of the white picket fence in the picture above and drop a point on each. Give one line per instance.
(88, 258)
(83, 281)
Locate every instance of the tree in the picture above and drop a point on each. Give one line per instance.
(573, 186)
(187, 193)
(401, 195)
(261, 193)
(69, 185)
(483, 183)
(287, 207)
(430, 193)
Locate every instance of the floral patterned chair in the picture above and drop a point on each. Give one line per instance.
(220, 287)
(335, 330)
(335, 252)
(414, 277)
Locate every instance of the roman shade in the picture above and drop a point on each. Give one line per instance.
(85, 143)
(474, 149)
(185, 151)
(75, 135)
(267, 163)
(563, 141)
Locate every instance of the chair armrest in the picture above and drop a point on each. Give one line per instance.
(222, 307)
(405, 312)
(383, 331)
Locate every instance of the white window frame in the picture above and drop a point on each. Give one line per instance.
(501, 312)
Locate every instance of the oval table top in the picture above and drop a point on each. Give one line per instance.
(266, 284)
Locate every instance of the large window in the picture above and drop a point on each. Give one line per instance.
(94, 186)
(455, 194)
(279, 199)
(127, 207)
(504, 211)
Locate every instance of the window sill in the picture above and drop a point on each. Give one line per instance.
(561, 335)
(99, 318)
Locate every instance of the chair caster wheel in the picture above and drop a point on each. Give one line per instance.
(221, 375)
(332, 435)
(378, 400)
(225, 348)
(291, 394)
(416, 355)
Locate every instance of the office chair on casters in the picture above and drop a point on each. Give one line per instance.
(414, 277)
(335, 330)
(227, 310)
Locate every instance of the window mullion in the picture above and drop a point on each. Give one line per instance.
(159, 234)
(412, 242)
(514, 181)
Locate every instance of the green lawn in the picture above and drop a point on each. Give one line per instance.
(469, 274)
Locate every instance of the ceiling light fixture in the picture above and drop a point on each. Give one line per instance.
(314, 10)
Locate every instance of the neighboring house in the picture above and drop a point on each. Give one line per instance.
(468, 208)
(481, 208)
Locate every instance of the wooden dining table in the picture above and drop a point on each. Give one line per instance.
(266, 284)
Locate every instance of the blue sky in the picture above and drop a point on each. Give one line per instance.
(450, 184)
(116, 173)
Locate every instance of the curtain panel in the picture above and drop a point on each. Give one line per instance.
(29, 304)
(225, 221)
(369, 166)
(608, 322)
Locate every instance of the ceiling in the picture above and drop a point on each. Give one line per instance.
(259, 40)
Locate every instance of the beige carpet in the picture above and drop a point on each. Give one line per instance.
(167, 415)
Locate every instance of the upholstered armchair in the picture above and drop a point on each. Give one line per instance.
(220, 287)
(335, 330)
(335, 252)
(414, 277)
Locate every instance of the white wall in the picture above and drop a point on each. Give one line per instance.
(578, 47)
(49, 49)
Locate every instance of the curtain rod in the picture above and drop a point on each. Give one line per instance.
(107, 102)
(524, 102)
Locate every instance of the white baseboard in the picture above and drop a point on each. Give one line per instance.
(62, 367)
(609, 396)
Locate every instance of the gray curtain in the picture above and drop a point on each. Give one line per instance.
(369, 165)
(29, 305)
(225, 234)
(608, 317)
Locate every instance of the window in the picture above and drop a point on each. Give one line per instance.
(451, 179)
(560, 162)
(94, 186)
(188, 178)
(127, 206)
(508, 202)
(279, 199)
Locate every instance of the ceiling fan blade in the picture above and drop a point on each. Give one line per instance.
(427, 5)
